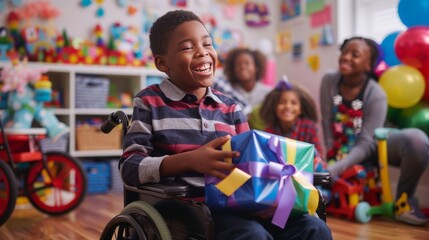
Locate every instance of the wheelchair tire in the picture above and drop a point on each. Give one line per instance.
(149, 219)
(122, 227)
(60, 190)
(8, 191)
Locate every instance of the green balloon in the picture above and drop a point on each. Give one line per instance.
(393, 114)
(416, 116)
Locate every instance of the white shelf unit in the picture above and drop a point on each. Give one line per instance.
(63, 76)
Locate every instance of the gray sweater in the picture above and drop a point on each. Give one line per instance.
(374, 115)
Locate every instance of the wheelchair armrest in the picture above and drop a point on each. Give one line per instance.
(162, 190)
(321, 178)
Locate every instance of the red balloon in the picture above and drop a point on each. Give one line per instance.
(425, 71)
(412, 46)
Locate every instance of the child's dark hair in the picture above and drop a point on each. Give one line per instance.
(269, 105)
(163, 27)
(258, 57)
(373, 48)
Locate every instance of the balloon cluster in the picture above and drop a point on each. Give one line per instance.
(404, 67)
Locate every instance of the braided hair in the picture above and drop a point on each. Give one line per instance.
(374, 53)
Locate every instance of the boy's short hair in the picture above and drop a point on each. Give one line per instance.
(162, 28)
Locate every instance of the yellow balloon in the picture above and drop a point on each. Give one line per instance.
(404, 86)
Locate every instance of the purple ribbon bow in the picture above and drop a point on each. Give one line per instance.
(284, 171)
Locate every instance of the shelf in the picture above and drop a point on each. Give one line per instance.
(92, 69)
(124, 79)
(60, 111)
(101, 111)
(97, 153)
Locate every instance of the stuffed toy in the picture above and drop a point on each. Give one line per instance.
(27, 90)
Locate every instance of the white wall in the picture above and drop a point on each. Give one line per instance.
(299, 71)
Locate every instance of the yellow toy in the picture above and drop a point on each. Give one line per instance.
(387, 207)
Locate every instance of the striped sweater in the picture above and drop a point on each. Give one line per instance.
(167, 121)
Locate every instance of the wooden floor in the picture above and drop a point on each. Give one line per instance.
(89, 219)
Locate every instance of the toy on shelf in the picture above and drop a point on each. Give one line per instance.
(27, 91)
(40, 41)
(6, 43)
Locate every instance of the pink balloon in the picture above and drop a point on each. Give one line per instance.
(380, 68)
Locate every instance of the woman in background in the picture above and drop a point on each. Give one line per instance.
(353, 105)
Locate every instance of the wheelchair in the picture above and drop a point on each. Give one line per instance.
(54, 182)
(173, 210)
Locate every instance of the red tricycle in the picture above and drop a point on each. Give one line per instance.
(54, 182)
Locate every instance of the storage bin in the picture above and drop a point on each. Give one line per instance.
(48, 145)
(98, 174)
(90, 137)
(91, 91)
(116, 185)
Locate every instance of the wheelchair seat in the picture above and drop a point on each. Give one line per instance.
(171, 210)
(186, 216)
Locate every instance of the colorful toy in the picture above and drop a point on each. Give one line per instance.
(346, 193)
(386, 206)
(25, 102)
(5, 43)
(361, 193)
(43, 89)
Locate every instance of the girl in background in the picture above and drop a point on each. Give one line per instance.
(244, 68)
(353, 105)
(290, 111)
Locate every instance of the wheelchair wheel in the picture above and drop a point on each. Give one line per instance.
(60, 187)
(122, 227)
(8, 191)
(152, 223)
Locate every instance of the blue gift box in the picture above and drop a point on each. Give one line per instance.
(273, 175)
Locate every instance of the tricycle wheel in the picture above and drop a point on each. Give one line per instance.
(8, 191)
(362, 212)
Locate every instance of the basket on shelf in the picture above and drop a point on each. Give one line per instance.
(49, 145)
(116, 180)
(90, 137)
(91, 91)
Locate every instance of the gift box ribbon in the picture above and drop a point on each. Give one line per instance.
(285, 171)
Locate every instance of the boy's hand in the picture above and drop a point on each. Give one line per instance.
(206, 160)
(209, 160)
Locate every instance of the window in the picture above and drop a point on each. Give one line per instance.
(368, 18)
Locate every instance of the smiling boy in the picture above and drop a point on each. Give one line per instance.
(179, 125)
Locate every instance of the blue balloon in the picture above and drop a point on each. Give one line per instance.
(388, 47)
(414, 12)
(380, 55)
